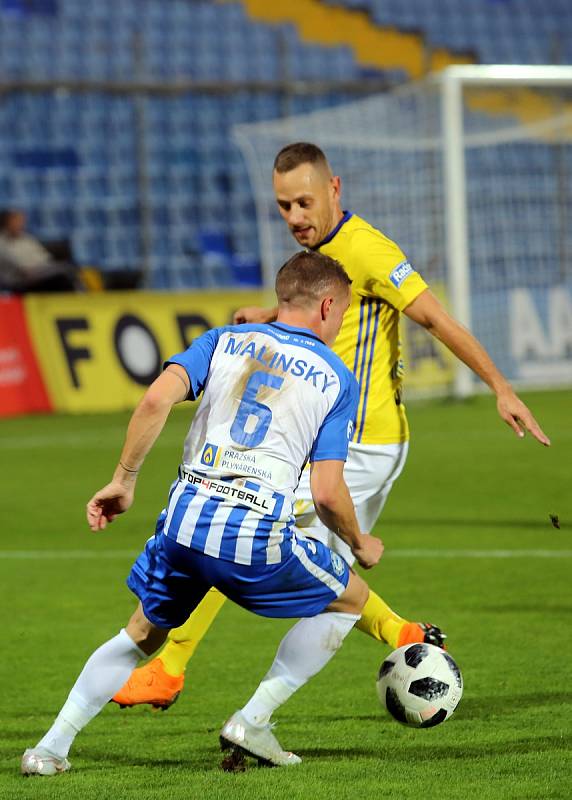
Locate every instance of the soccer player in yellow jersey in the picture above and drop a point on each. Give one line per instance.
(384, 285)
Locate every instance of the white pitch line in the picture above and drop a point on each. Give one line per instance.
(436, 553)
(84, 555)
(92, 439)
(56, 555)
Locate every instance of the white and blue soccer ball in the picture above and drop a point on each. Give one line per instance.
(420, 685)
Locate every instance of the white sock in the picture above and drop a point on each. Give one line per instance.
(104, 673)
(303, 652)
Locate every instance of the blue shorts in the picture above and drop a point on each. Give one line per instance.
(171, 579)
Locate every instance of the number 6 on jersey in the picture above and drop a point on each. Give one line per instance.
(250, 407)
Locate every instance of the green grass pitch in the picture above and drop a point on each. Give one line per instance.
(469, 545)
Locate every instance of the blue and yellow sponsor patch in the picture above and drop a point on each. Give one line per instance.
(400, 273)
(209, 455)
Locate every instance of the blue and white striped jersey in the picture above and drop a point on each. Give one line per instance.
(274, 396)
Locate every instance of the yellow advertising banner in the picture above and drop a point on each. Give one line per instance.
(99, 352)
(429, 366)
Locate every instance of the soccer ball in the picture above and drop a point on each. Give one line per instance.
(420, 685)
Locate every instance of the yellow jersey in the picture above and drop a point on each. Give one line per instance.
(384, 283)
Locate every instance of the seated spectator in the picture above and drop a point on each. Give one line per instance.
(25, 264)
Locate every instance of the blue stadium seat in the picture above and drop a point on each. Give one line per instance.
(196, 176)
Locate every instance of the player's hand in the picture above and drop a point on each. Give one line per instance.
(519, 417)
(254, 314)
(105, 505)
(369, 551)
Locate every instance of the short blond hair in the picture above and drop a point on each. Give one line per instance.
(308, 276)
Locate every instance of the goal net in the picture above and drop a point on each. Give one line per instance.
(471, 173)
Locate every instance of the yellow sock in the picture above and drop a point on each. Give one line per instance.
(379, 621)
(183, 641)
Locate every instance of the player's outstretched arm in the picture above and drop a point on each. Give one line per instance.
(427, 311)
(255, 314)
(336, 510)
(147, 422)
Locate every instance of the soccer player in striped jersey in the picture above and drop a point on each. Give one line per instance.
(384, 285)
(274, 397)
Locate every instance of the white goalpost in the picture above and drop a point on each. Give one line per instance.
(470, 171)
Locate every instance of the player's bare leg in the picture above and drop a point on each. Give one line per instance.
(161, 681)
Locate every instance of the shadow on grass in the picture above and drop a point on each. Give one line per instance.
(470, 708)
(90, 761)
(403, 752)
(478, 709)
(482, 708)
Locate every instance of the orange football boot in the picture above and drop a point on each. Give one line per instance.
(412, 632)
(150, 684)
